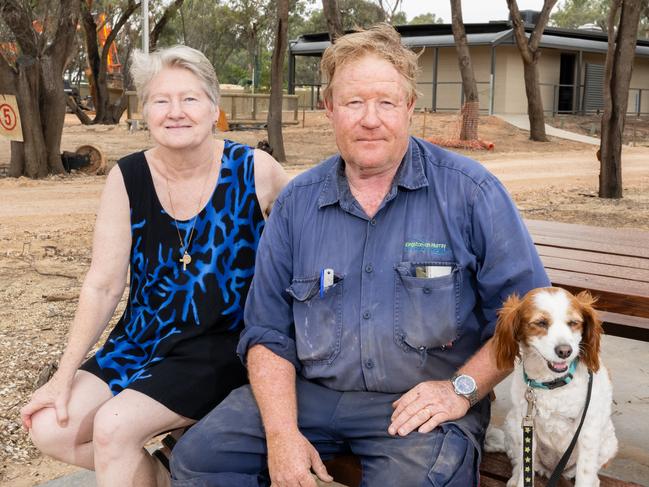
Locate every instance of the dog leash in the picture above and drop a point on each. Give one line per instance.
(528, 438)
(554, 478)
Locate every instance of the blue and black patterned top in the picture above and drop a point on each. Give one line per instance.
(177, 337)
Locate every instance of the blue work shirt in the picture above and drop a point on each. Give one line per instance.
(416, 288)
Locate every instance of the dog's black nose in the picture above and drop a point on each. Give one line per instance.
(563, 351)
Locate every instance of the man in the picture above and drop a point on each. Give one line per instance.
(378, 280)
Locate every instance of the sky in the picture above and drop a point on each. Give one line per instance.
(472, 10)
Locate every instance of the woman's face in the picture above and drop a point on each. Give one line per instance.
(179, 114)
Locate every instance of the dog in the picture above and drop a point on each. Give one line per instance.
(556, 337)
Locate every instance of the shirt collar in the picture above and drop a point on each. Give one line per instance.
(410, 175)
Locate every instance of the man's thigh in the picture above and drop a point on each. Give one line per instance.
(231, 437)
(445, 456)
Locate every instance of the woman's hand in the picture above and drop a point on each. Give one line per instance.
(55, 394)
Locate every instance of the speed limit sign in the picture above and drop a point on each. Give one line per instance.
(10, 118)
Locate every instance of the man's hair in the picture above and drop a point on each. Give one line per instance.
(146, 66)
(380, 40)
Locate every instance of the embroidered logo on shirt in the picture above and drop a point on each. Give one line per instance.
(431, 247)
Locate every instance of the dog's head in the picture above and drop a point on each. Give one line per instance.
(551, 324)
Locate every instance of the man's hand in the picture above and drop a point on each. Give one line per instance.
(425, 406)
(290, 460)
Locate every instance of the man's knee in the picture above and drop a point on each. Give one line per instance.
(201, 452)
(454, 460)
(228, 439)
(444, 456)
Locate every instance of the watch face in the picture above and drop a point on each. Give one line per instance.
(464, 384)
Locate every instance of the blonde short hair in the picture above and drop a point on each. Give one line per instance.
(381, 40)
(146, 66)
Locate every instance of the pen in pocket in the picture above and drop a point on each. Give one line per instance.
(326, 280)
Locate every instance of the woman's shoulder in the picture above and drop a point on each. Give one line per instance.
(132, 160)
(135, 171)
(270, 179)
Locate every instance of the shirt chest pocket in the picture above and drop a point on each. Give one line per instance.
(318, 319)
(426, 313)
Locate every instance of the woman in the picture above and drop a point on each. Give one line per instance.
(186, 216)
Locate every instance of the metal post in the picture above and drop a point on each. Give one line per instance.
(580, 61)
(145, 26)
(435, 67)
(492, 81)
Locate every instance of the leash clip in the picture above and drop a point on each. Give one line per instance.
(530, 397)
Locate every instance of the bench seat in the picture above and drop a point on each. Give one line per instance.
(495, 470)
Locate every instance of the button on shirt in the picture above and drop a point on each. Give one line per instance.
(415, 290)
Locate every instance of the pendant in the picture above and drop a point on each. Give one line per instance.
(185, 259)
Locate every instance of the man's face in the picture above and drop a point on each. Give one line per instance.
(370, 114)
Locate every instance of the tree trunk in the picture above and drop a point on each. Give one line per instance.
(37, 83)
(530, 54)
(332, 15)
(619, 66)
(105, 112)
(34, 152)
(277, 82)
(471, 107)
(52, 113)
(534, 102)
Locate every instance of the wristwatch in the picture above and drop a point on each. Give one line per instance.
(464, 385)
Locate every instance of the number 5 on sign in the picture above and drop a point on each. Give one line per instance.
(10, 118)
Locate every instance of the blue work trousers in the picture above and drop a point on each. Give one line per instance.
(227, 448)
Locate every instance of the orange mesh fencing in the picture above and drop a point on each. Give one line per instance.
(463, 134)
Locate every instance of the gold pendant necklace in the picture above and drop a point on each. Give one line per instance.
(186, 258)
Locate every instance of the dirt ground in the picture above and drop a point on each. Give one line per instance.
(46, 233)
(636, 129)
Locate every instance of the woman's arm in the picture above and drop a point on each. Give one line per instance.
(101, 291)
(270, 179)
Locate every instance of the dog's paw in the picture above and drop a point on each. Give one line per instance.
(494, 440)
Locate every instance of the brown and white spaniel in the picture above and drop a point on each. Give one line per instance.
(556, 337)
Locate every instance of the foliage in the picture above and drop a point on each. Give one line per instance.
(573, 14)
(428, 18)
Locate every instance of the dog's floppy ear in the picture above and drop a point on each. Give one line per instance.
(592, 331)
(505, 340)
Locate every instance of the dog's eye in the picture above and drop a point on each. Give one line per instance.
(542, 323)
(573, 323)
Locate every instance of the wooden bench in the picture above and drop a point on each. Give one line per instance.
(613, 264)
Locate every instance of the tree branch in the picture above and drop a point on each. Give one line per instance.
(130, 8)
(59, 49)
(537, 33)
(20, 23)
(519, 31)
(164, 20)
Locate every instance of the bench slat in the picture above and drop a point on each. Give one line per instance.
(625, 326)
(616, 295)
(602, 247)
(621, 261)
(630, 236)
(595, 269)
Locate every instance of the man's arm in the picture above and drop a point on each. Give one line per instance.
(430, 403)
(507, 263)
(290, 455)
